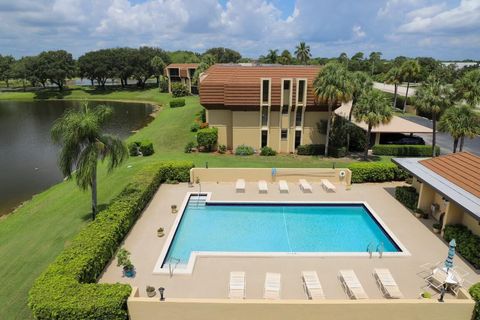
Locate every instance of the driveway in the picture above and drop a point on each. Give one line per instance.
(391, 88)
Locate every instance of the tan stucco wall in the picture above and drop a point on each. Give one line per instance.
(310, 127)
(453, 214)
(221, 119)
(255, 174)
(246, 128)
(471, 223)
(221, 309)
(426, 197)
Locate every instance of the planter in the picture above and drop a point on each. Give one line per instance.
(151, 292)
(418, 215)
(174, 208)
(437, 228)
(129, 272)
(160, 232)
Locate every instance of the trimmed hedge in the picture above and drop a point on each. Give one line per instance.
(267, 151)
(311, 149)
(408, 196)
(179, 90)
(244, 150)
(475, 293)
(133, 148)
(146, 148)
(207, 138)
(176, 103)
(376, 172)
(468, 244)
(66, 289)
(407, 150)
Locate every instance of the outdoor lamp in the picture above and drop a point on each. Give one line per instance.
(161, 290)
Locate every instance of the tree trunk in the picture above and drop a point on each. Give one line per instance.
(354, 102)
(455, 144)
(367, 144)
(434, 132)
(158, 80)
(462, 141)
(93, 84)
(329, 120)
(406, 97)
(395, 96)
(94, 193)
(6, 81)
(373, 66)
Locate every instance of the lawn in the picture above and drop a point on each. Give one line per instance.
(34, 234)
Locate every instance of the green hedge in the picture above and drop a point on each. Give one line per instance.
(475, 293)
(376, 172)
(146, 148)
(176, 103)
(310, 149)
(408, 196)
(468, 244)
(244, 150)
(207, 138)
(404, 150)
(267, 151)
(66, 289)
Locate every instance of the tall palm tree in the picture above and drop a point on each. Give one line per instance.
(83, 144)
(332, 86)
(409, 72)
(302, 52)
(360, 82)
(374, 109)
(343, 58)
(433, 97)
(272, 56)
(460, 121)
(468, 88)
(394, 77)
(374, 58)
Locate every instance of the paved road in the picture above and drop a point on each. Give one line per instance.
(391, 88)
(444, 140)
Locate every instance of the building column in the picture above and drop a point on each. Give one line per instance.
(377, 138)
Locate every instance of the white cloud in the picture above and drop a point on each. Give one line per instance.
(358, 32)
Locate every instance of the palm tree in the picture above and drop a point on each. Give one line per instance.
(460, 121)
(343, 58)
(272, 56)
(409, 72)
(375, 57)
(468, 88)
(285, 57)
(360, 82)
(332, 85)
(394, 77)
(302, 52)
(374, 109)
(83, 144)
(433, 97)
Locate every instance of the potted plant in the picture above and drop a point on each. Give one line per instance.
(150, 291)
(174, 208)
(123, 260)
(419, 213)
(160, 232)
(426, 295)
(437, 227)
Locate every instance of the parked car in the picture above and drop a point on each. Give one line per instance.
(408, 140)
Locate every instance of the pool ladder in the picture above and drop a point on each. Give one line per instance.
(380, 248)
(172, 264)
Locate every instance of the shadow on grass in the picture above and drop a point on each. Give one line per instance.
(51, 94)
(100, 208)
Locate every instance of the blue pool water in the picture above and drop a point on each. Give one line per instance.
(276, 228)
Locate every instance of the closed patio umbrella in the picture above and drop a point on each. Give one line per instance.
(451, 254)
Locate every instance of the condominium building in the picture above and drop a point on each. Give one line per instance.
(266, 105)
(181, 72)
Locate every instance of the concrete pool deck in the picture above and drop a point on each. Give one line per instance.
(211, 274)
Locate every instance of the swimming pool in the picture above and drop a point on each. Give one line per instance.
(275, 228)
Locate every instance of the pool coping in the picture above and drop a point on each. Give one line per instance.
(188, 270)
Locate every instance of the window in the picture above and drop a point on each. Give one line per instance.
(298, 117)
(286, 92)
(301, 90)
(285, 109)
(191, 72)
(264, 138)
(298, 138)
(286, 84)
(264, 116)
(284, 134)
(265, 90)
(174, 72)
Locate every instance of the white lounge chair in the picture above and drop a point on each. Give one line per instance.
(283, 186)
(240, 185)
(262, 186)
(312, 285)
(328, 186)
(237, 285)
(304, 185)
(387, 284)
(272, 286)
(351, 285)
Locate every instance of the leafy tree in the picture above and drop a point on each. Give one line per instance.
(158, 67)
(182, 56)
(124, 63)
(409, 72)
(6, 64)
(374, 57)
(332, 85)
(468, 87)
(272, 56)
(394, 77)
(460, 121)
(224, 55)
(433, 97)
(358, 56)
(285, 57)
(83, 144)
(57, 66)
(428, 66)
(360, 83)
(374, 109)
(207, 61)
(343, 58)
(97, 66)
(302, 52)
(141, 61)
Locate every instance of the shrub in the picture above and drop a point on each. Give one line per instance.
(404, 150)
(163, 84)
(376, 172)
(190, 146)
(475, 293)
(179, 90)
(195, 127)
(66, 289)
(337, 152)
(267, 151)
(134, 148)
(408, 196)
(310, 149)
(244, 150)
(146, 148)
(207, 138)
(204, 125)
(176, 103)
(222, 148)
(467, 243)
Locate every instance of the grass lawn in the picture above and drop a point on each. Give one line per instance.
(34, 234)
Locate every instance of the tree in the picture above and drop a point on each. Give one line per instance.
(97, 66)
(302, 52)
(343, 58)
(394, 77)
(58, 66)
(375, 57)
(272, 56)
(6, 64)
(285, 57)
(360, 83)
(224, 55)
(332, 86)
(124, 63)
(83, 144)
(207, 61)
(158, 67)
(460, 121)
(409, 72)
(358, 56)
(141, 60)
(374, 109)
(433, 97)
(467, 88)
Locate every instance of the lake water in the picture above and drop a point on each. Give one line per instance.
(28, 158)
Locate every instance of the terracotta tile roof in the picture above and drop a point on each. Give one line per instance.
(239, 85)
(461, 169)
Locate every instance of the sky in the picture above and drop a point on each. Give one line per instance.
(447, 30)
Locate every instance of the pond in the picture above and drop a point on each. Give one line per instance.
(28, 158)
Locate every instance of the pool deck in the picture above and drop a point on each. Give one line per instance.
(210, 276)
